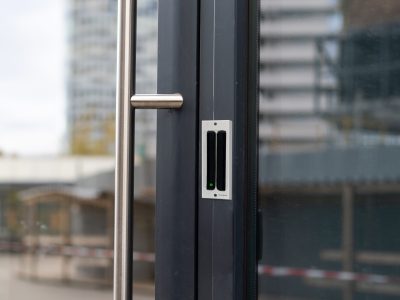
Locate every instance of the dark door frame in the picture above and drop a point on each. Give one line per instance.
(177, 151)
(208, 52)
(229, 91)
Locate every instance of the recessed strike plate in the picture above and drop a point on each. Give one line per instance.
(216, 158)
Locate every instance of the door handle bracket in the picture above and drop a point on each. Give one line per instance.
(157, 101)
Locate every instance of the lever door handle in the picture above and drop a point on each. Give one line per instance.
(157, 101)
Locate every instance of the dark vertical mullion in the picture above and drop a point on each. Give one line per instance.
(252, 232)
(177, 152)
(216, 94)
(246, 149)
(228, 91)
(239, 149)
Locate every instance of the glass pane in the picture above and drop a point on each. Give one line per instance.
(329, 149)
(57, 140)
(57, 124)
(145, 151)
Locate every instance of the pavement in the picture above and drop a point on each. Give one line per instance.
(14, 288)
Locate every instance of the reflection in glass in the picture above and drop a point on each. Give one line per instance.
(57, 198)
(329, 147)
(145, 152)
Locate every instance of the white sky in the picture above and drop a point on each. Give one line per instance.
(32, 72)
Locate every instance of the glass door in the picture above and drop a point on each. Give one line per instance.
(329, 149)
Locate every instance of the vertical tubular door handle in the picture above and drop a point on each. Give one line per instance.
(125, 142)
(123, 206)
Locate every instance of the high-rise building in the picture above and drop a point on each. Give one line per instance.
(92, 51)
(92, 41)
(369, 70)
(294, 88)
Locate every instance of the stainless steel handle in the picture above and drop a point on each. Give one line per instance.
(123, 223)
(160, 101)
(125, 141)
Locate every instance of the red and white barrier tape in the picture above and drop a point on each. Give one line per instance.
(273, 271)
(322, 274)
(76, 251)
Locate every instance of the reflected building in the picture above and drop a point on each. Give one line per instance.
(290, 80)
(69, 231)
(336, 207)
(56, 214)
(369, 72)
(92, 40)
(92, 57)
(18, 174)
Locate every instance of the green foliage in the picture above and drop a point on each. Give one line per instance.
(11, 213)
(84, 142)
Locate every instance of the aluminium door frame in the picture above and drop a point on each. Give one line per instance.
(228, 81)
(209, 48)
(177, 152)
